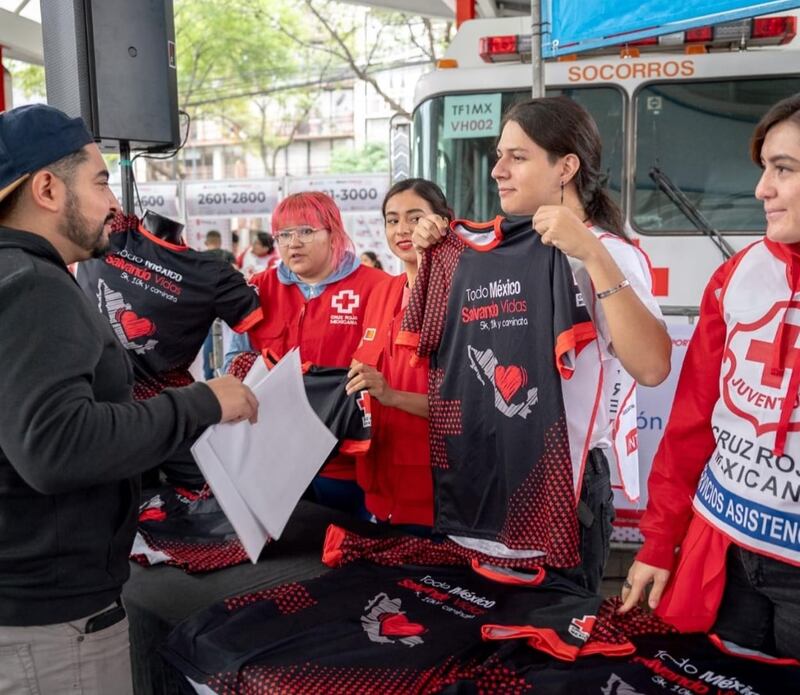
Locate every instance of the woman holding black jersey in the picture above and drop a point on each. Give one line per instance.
(548, 168)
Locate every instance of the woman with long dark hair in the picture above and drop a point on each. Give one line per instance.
(396, 473)
(549, 169)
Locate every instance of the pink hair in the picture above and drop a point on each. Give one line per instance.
(316, 210)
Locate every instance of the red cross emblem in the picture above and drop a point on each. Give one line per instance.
(345, 302)
(761, 351)
(751, 388)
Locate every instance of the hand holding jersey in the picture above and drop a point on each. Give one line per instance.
(559, 226)
(640, 341)
(430, 230)
(640, 576)
(363, 377)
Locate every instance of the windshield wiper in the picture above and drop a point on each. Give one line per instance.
(690, 211)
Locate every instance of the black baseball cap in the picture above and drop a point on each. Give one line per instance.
(31, 137)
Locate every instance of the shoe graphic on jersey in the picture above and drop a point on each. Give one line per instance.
(507, 382)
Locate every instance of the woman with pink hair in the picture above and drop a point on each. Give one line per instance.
(314, 299)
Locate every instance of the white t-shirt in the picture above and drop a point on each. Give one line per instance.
(613, 405)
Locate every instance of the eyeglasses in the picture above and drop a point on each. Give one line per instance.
(303, 234)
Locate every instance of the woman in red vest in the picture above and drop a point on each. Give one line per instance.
(396, 473)
(722, 526)
(315, 300)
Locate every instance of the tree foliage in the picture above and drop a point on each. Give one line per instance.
(257, 67)
(371, 158)
(27, 78)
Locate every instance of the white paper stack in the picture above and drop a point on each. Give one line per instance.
(259, 472)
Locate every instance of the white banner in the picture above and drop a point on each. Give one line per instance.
(366, 229)
(238, 198)
(654, 405)
(350, 191)
(158, 197)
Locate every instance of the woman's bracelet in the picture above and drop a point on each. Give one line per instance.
(613, 290)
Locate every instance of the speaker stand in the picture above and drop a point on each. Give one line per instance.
(126, 174)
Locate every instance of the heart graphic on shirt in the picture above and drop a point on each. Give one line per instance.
(133, 325)
(509, 380)
(397, 625)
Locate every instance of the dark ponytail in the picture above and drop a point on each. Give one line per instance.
(561, 126)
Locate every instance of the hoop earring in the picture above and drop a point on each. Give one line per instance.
(562, 193)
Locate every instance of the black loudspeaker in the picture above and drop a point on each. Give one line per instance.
(112, 62)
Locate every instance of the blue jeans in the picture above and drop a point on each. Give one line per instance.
(345, 495)
(208, 351)
(760, 608)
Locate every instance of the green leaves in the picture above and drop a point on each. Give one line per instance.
(371, 158)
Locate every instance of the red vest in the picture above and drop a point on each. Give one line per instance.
(327, 328)
(395, 473)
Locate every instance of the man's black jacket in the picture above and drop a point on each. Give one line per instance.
(72, 441)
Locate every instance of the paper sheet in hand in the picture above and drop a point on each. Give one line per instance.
(259, 472)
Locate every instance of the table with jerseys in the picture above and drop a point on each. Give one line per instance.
(382, 621)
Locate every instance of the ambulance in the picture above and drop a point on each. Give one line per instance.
(683, 103)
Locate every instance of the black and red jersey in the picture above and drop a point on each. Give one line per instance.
(610, 633)
(501, 318)
(161, 298)
(696, 664)
(343, 547)
(367, 628)
(187, 529)
(348, 417)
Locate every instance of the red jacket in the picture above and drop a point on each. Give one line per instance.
(395, 473)
(327, 328)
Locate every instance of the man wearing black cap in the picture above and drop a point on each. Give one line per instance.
(72, 440)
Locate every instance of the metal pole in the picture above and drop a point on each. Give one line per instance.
(126, 175)
(2, 83)
(217, 347)
(537, 64)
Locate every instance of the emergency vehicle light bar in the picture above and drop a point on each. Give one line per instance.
(500, 49)
(762, 31)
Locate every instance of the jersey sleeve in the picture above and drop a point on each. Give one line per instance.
(414, 317)
(235, 302)
(572, 326)
(424, 318)
(688, 440)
